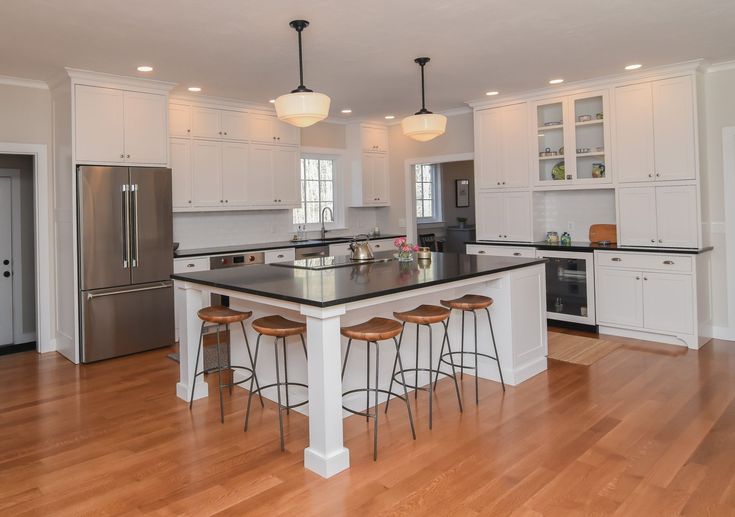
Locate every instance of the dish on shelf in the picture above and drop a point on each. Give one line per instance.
(558, 123)
(584, 118)
(558, 172)
(598, 170)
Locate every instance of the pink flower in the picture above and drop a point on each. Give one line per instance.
(415, 247)
(400, 241)
(405, 248)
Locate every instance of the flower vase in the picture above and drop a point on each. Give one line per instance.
(405, 256)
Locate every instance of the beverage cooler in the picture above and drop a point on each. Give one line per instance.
(570, 286)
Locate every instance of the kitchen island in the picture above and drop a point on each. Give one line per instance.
(334, 297)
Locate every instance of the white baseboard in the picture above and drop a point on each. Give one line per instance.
(725, 333)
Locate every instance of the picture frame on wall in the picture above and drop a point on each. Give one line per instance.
(462, 189)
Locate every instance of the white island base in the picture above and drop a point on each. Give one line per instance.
(519, 322)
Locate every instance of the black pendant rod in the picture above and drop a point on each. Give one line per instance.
(300, 25)
(422, 62)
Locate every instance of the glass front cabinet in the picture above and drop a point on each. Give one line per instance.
(571, 139)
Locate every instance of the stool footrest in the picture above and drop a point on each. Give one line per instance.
(287, 384)
(444, 359)
(396, 377)
(370, 390)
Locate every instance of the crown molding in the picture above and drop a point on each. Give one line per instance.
(720, 67)
(208, 101)
(24, 83)
(462, 110)
(686, 67)
(88, 77)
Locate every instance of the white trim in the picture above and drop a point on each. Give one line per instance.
(436, 197)
(461, 110)
(720, 67)
(25, 83)
(206, 101)
(410, 189)
(43, 257)
(725, 333)
(118, 81)
(728, 173)
(339, 173)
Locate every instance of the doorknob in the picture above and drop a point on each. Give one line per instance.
(6, 274)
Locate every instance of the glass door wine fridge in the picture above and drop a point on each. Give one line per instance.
(570, 286)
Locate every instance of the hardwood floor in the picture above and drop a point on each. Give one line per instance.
(647, 430)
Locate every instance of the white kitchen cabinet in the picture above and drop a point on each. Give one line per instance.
(179, 120)
(369, 181)
(279, 255)
(619, 297)
(205, 123)
(145, 126)
(235, 125)
(219, 124)
(267, 129)
(668, 302)
(234, 160)
(287, 176)
(504, 216)
(374, 138)
(99, 125)
(501, 251)
(206, 173)
(501, 147)
(375, 179)
(659, 216)
(340, 249)
(181, 173)
(191, 265)
(656, 131)
(273, 179)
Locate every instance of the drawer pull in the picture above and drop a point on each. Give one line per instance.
(616, 259)
(637, 278)
(482, 252)
(190, 265)
(280, 256)
(669, 262)
(516, 254)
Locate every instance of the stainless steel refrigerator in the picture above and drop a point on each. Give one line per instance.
(125, 234)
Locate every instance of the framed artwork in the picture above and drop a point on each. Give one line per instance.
(462, 188)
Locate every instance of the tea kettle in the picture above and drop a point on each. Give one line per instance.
(360, 248)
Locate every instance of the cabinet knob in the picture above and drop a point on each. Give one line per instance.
(128, 156)
(274, 138)
(122, 156)
(500, 236)
(221, 201)
(658, 175)
(637, 278)
(503, 183)
(190, 201)
(650, 175)
(505, 236)
(653, 240)
(660, 241)
(498, 183)
(279, 138)
(645, 278)
(227, 200)
(188, 130)
(225, 132)
(220, 132)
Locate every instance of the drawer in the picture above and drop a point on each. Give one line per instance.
(339, 250)
(189, 265)
(280, 255)
(501, 251)
(649, 261)
(382, 245)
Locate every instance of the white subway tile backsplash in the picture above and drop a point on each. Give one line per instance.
(581, 208)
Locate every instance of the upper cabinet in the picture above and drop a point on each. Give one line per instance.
(374, 139)
(267, 129)
(571, 139)
(501, 147)
(113, 126)
(655, 131)
(367, 150)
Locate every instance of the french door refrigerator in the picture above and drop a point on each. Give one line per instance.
(125, 234)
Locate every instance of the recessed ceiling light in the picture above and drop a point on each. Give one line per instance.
(194, 89)
(272, 101)
(347, 111)
(491, 93)
(633, 67)
(556, 81)
(390, 117)
(145, 68)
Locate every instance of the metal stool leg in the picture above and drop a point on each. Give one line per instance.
(367, 384)
(278, 388)
(477, 366)
(196, 365)
(285, 374)
(252, 381)
(219, 381)
(347, 354)
(497, 357)
(395, 363)
(252, 363)
(229, 356)
(431, 354)
(375, 411)
(461, 355)
(405, 390)
(303, 345)
(454, 370)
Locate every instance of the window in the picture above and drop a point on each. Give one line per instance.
(317, 190)
(427, 193)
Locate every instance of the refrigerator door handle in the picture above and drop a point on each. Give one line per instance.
(134, 225)
(125, 225)
(91, 296)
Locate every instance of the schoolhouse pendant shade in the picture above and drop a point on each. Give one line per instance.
(424, 125)
(302, 107)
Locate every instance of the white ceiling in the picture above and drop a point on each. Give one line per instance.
(361, 52)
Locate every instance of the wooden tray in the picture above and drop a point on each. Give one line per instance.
(603, 232)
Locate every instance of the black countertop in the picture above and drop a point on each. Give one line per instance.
(329, 287)
(265, 246)
(592, 246)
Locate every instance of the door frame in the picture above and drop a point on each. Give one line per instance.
(728, 170)
(410, 188)
(42, 227)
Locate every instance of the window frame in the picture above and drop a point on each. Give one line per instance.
(338, 201)
(436, 194)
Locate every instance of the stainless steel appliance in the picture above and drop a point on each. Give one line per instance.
(125, 243)
(570, 286)
(236, 260)
(360, 249)
(312, 251)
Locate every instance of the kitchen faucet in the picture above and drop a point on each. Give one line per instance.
(331, 217)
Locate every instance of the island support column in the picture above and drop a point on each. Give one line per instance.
(189, 300)
(326, 454)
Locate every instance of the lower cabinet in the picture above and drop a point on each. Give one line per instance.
(501, 251)
(504, 216)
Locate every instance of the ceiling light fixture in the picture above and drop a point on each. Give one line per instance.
(390, 117)
(194, 89)
(633, 67)
(145, 68)
(491, 93)
(302, 107)
(347, 111)
(424, 125)
(272, 101)
(556, 81)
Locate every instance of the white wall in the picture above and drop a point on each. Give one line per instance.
(581, 208)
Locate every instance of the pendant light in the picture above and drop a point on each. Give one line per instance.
(302, 107)
(424, 125)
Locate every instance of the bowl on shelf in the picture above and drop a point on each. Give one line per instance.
(557, 172)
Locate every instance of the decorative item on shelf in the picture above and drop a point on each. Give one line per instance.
(424, 253)
(561, 151)
(565, 239)
(552, 238)
(424, 125)
(583, 150)
(598, 170)
(405, 249)
(462, 193)
(598, 116)
(547, 152)
(557, 172)
(584, 118)
(302, 107)
(461, 221)
(555, 123)
(599, 149)
(376, 231)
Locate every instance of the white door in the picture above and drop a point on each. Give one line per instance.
(619, 297)
(286, 134)
(262, 128)
(676, 215)
(234, 173)
(673, 128)
(517, 211)
(206, 173)
(637, 216)
(205, 123)
(287, 176)
(260, 188)
(179, 120)
(490, 216)
(235, 125)
(514, 164)
(6, 262)
(98, 125)
(668, 302)
(488, 148)
(369, 167)
(146, 137)
(380, 178)
(374, 139)
(634, 149)
(181, 172)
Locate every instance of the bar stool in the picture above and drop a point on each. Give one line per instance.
(426, 315)
(221, 315)
(472, 303)
(280, 328)
(372, 331)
